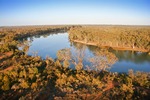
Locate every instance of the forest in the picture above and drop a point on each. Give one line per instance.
(27, 77)
(136, 38)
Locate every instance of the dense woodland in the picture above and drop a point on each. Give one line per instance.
(25, 77)
(128, 37)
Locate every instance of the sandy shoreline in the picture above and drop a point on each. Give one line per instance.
(113, 47)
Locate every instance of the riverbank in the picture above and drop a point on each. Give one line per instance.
(135, 38)
(113, 47)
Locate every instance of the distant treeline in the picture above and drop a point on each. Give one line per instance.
(9, 36)
(132, 37)
(26, 31)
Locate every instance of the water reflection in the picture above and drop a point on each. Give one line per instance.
(120, 61)
(136, 57)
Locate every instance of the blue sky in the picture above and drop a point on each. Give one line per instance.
(53, 12)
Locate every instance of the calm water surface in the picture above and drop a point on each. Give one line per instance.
(49, 44)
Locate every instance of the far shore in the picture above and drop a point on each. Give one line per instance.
(113, 47)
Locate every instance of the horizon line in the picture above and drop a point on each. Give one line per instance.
(74, 25)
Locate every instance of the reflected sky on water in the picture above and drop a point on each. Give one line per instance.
(49, 44)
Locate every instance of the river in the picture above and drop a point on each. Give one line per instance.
(47, 46)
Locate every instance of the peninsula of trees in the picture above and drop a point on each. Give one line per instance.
(136, 38)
